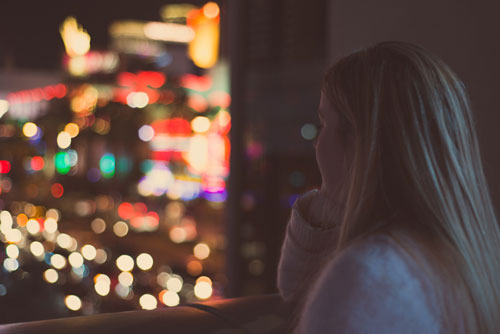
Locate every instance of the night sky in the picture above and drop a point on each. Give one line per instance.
(29, 30)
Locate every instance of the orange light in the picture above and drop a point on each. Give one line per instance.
(211, 10)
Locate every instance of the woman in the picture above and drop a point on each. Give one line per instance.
(402, 236)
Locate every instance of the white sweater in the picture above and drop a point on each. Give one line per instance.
(372, 286)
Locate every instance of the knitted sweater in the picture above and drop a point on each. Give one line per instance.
(372, 286)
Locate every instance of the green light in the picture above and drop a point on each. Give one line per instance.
(62, 161)
(107, 165)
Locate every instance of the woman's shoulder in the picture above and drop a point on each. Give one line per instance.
(372, 284)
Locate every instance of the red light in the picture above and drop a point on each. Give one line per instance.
(48, 93)
(60, 91)
(57, 190)
(125, 210)
(4, 166)
(37, 163)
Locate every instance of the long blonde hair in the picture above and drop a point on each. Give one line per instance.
(406, 118)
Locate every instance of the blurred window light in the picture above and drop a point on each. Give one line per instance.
(137, 100)
(10, 264)
(75, 259)
(58, 261)
(50, 225)
(89, 252)
(203, 290)
(174, 12)
(76, 39)
(169, 298)
(200, 124)
(37, 249)
(201, 251)
(126, 278)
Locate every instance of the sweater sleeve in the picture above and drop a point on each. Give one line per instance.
(370, 287)
(305, 246)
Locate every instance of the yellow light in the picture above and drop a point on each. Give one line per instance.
(64, 240)
(120, 229)
(32, 226)
(203, 290)
(12, 251)
(174, 284)
(13, 236)
(98, 225)
(72, 129)
(52, 213)
(63, 140)
(201, 251)
(4, 107)
(204, 48)
(73, 302)
(169, 298)
(58, 261)
(125, 263)
(197, 155)
(144, 261)
(76, 39)
(50, 275)
(211, 10)
(125, 278)
(75, 259)
(6, 221)
(50, 225)
(200, 124)
(148, 302)
(30, 129)
(89, 252)
(37, 249)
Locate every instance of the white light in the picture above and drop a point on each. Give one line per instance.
(170, 298)
(308, 131)
(4, 107)
(98, 225)
(200, 124)
(125, 278)
(89, 252)
(63, 139)
(36, 248)
(148, 302)
(73, 302)
(10, 264)
(101, 256)
(102, 288)
(50, 225)
(125, 263)
(102, 278)
(203, 290)
(30, 129)
(174, 284)
(32, 226)
(137, 99)
(146, 133)
(12, 251)
(64, 240)
(169, 32)
(50, 275)
(120, 228)
(13, 236)
(144, 261)
(75, 259)
(58, 261)
(201, 251)
(5, 221)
